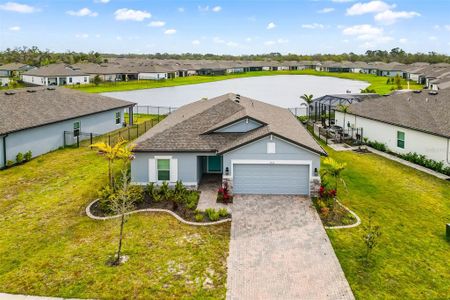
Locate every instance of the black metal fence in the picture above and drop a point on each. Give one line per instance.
(335, 135)
(153, 110)
(77, 139)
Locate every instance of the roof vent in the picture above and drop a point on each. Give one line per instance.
(238, 97)
(51, 88)
(31, 91)
(417, 91)
(433, 93)
(10, 93)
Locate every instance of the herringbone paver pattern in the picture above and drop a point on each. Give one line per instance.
(280, 250)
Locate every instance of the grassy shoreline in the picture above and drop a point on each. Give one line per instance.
(377, 83)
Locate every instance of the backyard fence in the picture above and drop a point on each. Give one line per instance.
(330, 135)
(153, 110)
(77, 139)
(299, 111)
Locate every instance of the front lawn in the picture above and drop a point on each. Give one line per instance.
(377, 83)
(412, 260)
(48, 246)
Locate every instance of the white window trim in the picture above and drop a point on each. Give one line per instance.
(156, 167)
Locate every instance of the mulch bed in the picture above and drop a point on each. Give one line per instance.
(184, 212)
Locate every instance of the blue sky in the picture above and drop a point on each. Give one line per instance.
(226, 27)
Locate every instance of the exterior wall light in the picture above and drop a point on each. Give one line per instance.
(227, 171)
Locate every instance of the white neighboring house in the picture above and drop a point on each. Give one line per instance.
(55, 74)
(4, 81)
(405, 122)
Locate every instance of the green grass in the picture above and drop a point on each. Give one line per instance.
(377, 83)
(412, 260)
(49, 247)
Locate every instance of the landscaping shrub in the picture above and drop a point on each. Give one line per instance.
(377, 145)
(105, 195)
(149, 189)
(223, 212)
(28, 155)
(212, 214)
(136, 194)
(223, 194)
(422, 160)
(156, 196)
(199, 217)
(165, 191)
(9, 163)
(19, 158)
(192, 200)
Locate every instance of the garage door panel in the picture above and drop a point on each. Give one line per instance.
(270, 179)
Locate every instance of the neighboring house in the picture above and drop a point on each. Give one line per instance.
(257, 147)
(405, 122)
(13, 69)
(4, 81)
(55, 74)
(35, 119)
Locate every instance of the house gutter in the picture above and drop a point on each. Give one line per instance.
(4, 151)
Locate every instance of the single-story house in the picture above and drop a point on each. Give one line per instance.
(257, 148)
(36, 119)
(4, 81)
(405, 122)
(13, 69)
(55, 74)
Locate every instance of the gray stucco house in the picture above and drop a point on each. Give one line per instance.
(257, 147)
(35, 119)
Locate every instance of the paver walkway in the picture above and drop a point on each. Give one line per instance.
(208, 193)
(280, 250)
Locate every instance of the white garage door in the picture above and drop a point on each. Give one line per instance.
(271, 179)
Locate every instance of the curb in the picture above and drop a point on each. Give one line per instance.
(90, 215)
(358, 220)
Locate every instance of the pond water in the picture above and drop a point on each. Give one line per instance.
(281, 90)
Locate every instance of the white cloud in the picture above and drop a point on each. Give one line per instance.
(206, 8)
(218, 40)
(180, 9)
(216, 9)
(403, 41)
(102, 1)
(119, 38)
(82, 12)
(81, 35)
(271, 25)
(269, 43)
(195, 42)
(232, 44)
(433, 38)
(342, 1)
(203, 8)
(372, 36)
(248, 40)
(313, 26)
(170, 31)
(369, 7)
(17, 7)
(364, 29)
(157, 24)
(447, 27)
(326, 10)
(125, 14)
(14, 28)
(97, 35)
(389, 17)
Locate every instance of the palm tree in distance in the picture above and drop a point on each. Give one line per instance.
(308, 99)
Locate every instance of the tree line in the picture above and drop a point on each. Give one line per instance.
(36, 57)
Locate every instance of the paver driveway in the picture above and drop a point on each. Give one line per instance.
(280, 250)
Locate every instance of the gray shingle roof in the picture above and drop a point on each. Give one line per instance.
(188, 128)
(55, 70)
(13, 66)
(420, 111)
(26, 109)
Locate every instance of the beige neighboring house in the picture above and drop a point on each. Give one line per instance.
(55, 74)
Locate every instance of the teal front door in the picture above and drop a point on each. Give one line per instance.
(214, 164)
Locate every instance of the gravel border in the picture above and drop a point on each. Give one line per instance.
(90, 215)
(358, 220)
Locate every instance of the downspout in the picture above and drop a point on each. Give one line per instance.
(4, 151)
(448, 150)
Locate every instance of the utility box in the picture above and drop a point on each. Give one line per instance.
(447, 232)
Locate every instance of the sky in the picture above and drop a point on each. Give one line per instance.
(226, 27)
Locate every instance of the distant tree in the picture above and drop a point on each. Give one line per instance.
(308, 99)
(97, 80)
(398, 82)
(370, 237)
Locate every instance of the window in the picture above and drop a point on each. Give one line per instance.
(70, 79)
(85, 79)
(76, 128)
(118, 118)
(163, 168)
(401, 139)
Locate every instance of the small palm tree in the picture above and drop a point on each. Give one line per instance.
(111, 153)
(308, 99)
(344, 109)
